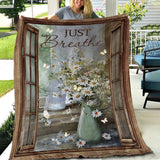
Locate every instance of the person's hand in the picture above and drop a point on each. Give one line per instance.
(44, 17)
(21, 17)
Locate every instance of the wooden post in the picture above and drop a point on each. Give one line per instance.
(111, 7)
(53, 6)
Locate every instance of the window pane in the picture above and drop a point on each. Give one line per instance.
(33, 70)
(33, 101)
(28, 42)
(28, 69)
(28, 104)
(33, 44)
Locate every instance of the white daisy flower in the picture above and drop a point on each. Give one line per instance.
(76, 68)
(46, 114)
(83, 81)
(106, 136)
(68, 111)
(61, 136)
(94, 83)
(77, 96)
(55, 95)
(87, 91)
(55, 141)
(80, 143)
(96, 113)
(66, 90)
(91, 102)
(48, 122)
(70, 139)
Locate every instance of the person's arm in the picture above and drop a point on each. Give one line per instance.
(53, 17)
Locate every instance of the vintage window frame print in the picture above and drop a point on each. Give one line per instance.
(129, 146)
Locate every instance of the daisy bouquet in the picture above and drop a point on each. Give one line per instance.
(83, 80)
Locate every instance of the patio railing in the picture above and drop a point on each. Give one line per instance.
(139, 37)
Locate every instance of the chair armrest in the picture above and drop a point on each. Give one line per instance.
(139, 47)
(146, 52)
(154, 49)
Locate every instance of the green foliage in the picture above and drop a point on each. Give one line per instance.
(7, 46)
(99, 12)
(4, 2)
(6, 86)
(42, 15)
(13, 12)
(151, 27)
(6, 132)
(134, 9)
(6, 29)
(62, 3)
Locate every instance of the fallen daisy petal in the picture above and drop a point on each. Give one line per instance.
(70, 139)
(68, 111)
(80, 143)
(106, 136)
(55, 141)
(48, 122)
(61, 136)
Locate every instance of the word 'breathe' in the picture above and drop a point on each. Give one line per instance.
(52, 41)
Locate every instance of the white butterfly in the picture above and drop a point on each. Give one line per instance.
(50, 30)
(46, 114)
(66, 134)
(45, 66)
(103, 52)
(104, 120)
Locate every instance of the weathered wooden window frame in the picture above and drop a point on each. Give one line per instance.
(132, 142)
